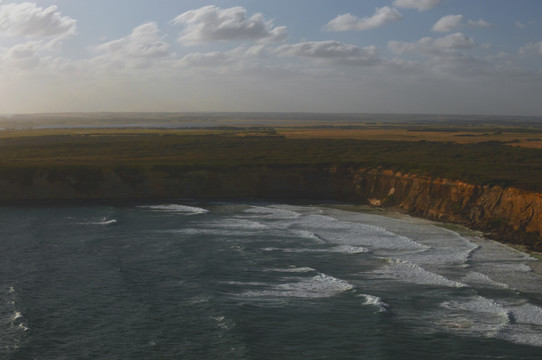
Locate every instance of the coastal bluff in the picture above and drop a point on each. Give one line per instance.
(508, 214)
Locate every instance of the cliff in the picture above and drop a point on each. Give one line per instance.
(507, 213)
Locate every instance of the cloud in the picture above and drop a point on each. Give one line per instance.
(332, 51)
(143, 42)
(139, 49)
(421, 5)
(447, 44)
(480, 23)
(453, 22)
(220, 58)
(28, 19)
(22, 56)
(209, 59)
(213, 24)
(447, 57)
(448, 23)
(348, 22)
(531, 48)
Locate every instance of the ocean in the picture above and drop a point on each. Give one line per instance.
(256, 280)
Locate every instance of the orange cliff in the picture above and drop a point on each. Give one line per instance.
(508, 214)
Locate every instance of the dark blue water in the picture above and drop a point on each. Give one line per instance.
(257, 281)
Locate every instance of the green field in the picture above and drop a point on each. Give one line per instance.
(23, 152)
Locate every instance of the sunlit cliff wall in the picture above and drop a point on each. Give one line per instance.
(508, 214)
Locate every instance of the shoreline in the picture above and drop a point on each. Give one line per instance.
(472, 235)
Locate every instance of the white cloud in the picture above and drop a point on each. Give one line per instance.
(480, 23)
(448, 23)
(143, 42)
(447, 44)
(531, 48)
(209, 59)
(143, 47)
(421, 5)
(333, 51)
(22, 56)
(28, 19)
(347, 22)
(213, 24)
(219, 58)
(455, 41)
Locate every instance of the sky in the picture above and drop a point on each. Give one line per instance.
(347, 56)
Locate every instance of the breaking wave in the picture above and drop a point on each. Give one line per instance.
(318, 286)
(411, 272)
(176, 209)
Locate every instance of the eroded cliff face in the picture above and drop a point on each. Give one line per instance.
(509, 214)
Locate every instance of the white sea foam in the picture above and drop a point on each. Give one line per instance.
(104, 221)
(16, 316)
(305, 234)
(100, 221)
(471, 252)
(198, 300)
(475, 316)
(245, 283)
(347, 249)
(343, 249)
(222, 322)
(527, 314)
(318, 286)
(375, 301)
(293, 269)
(176, 209)
(236, 224)
(273, 213)
(527, 325)
(475, 278)
(514, 273)
(493, 251)
(359, 234)
(12, 321)
(519, 323)
(411, 272)
(314, 221)
(446, 249)
(479, 304)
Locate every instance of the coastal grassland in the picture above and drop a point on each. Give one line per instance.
(523, 137)
(129, 151)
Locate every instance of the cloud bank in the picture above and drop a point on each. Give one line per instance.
(448, 23)
(349, 22)
(427, 45)
(246, 63)
(30, 20)
(213, 24)
(334, 51)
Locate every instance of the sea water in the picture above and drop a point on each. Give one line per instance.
(226, 280)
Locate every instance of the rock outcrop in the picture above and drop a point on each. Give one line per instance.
(508, 214)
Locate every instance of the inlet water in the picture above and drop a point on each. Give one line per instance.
(222, 280)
